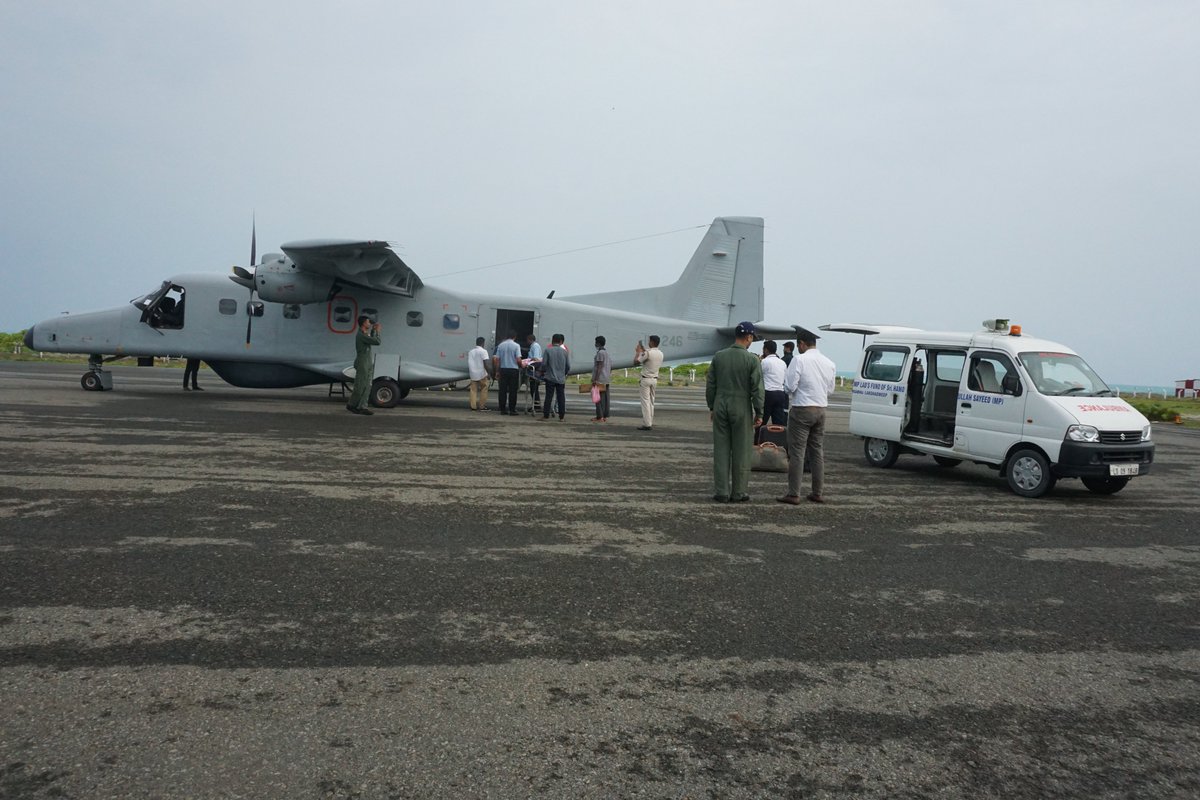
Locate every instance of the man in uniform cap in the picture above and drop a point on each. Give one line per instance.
(734, 393)
(809, 382)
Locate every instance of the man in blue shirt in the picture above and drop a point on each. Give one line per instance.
(534, 354)
(508, 360)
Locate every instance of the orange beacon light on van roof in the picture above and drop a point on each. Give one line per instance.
(1014, 330)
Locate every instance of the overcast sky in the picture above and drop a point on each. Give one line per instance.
(920, 163)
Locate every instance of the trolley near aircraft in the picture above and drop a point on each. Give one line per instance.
(290, 321)
(1030, 408)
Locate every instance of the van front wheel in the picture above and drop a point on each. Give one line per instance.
(1105, 485)
(1028, 474)
(881, 452)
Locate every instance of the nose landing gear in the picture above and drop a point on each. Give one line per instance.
(96, 379)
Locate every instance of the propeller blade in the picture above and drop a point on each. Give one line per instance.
(253, 239)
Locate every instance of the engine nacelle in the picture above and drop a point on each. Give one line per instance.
(283, 283)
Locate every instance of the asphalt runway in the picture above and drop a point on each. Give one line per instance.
(242, 593)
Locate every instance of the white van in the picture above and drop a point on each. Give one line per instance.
(1030, 408)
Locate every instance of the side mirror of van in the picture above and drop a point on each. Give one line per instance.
(1011, 385)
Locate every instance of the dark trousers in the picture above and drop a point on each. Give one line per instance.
(775, 407)
(555, 391)
(602, 406)
(190, 370)
(510, 382)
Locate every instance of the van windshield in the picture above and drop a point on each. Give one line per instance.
(1064, 373)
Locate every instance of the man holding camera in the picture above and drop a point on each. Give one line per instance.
(364, 365)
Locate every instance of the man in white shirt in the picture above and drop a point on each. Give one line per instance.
(650, 361)
(808, 383)
(478, 364)
(774, 371)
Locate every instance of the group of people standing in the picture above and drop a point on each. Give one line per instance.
(743, 391)
(551, 367)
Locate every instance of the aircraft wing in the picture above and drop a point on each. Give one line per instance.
(371, 264)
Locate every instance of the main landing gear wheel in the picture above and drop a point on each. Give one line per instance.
(1028, 474)
(880, 452)
(91, 382)
(385, 393)
(1105, 485)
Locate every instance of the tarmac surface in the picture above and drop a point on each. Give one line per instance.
(241, 593)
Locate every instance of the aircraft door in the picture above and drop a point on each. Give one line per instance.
(991, 406)
(582, 343)
(877, 407)
(495, 324)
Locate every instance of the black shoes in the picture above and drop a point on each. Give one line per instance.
(645, 428)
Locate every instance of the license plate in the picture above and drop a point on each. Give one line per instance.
(1122, 469)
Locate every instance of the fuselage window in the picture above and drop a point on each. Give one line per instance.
(373, 313)
(451, 322)
(291, 311)
(227, 307)
(343, 315)
(415, 319)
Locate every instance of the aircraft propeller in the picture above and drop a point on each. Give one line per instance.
(245, 277)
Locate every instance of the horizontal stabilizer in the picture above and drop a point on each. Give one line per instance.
(722, 283)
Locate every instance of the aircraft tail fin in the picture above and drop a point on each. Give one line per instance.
(721, 285)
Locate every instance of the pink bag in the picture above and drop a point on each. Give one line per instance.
(595, 393)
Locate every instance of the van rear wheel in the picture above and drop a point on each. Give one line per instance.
(1105, 485)
(880, 452)
(1029, 474)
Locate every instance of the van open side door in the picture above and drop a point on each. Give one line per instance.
(879, 403)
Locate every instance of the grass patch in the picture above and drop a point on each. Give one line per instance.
(1158, 410)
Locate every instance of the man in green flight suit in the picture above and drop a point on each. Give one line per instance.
(364, 364)
(734, 393)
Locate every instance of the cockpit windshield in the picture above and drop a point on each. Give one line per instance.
(162, 308)
(1064, 373)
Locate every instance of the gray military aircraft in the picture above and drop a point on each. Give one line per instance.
(291, 321)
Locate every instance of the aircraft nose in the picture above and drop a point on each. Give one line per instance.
(29, 337)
